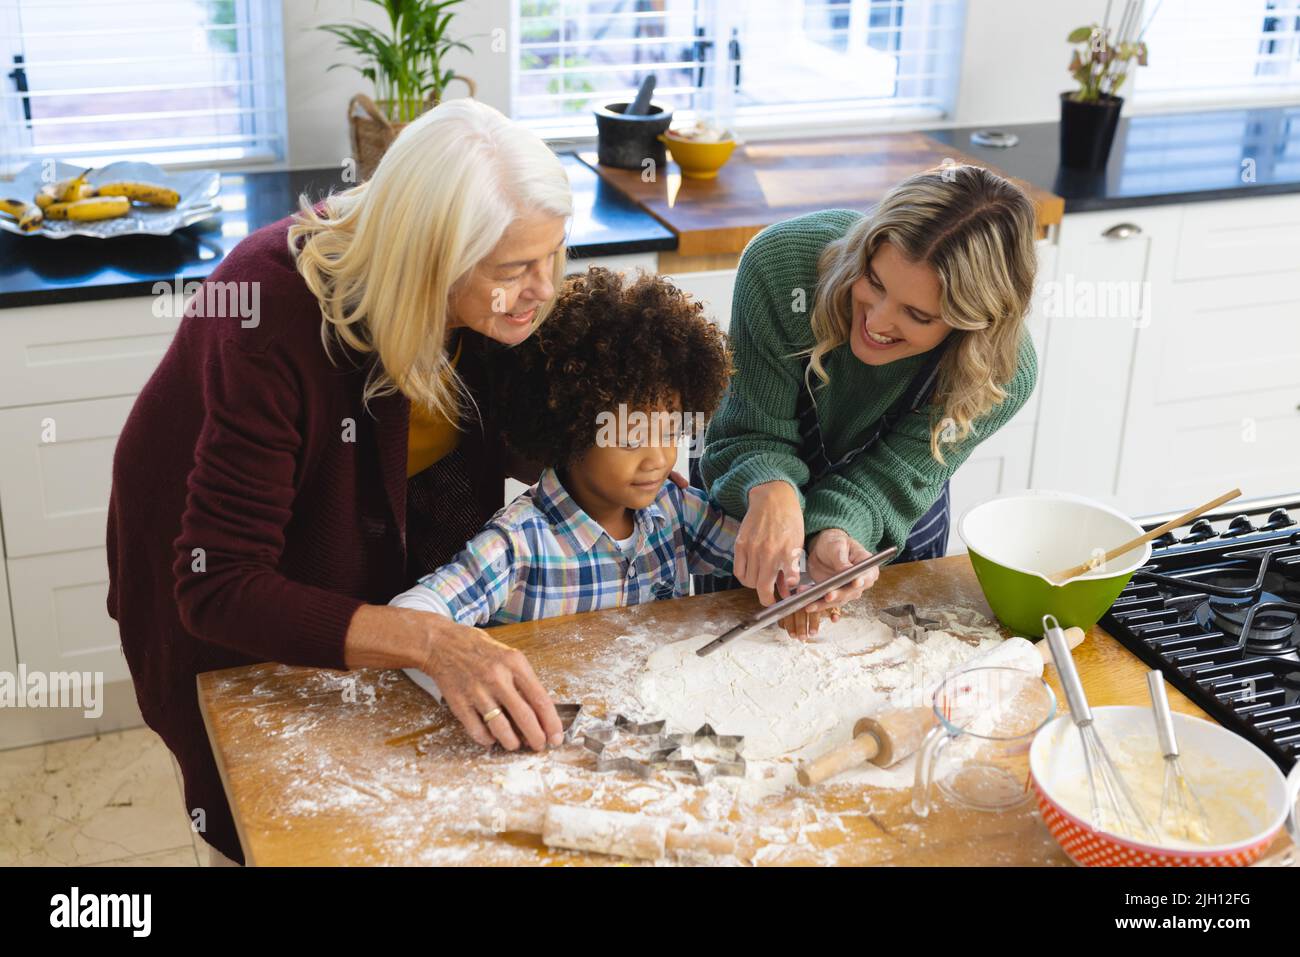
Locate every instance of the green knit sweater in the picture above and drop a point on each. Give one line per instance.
(754, 437)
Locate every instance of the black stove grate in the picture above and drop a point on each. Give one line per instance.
(1185, 610)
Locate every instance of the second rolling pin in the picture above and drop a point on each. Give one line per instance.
(607, 832)
(888, 737)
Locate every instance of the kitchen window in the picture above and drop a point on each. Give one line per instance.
(752, 65)
(1212, 52)
(166, 81)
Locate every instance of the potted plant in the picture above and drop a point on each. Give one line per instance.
(405, 64)
(1100, 65)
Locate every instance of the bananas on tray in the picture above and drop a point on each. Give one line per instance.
(29, 215)
(65, 191)
(77, 200)
(88, 210)
(143, 192)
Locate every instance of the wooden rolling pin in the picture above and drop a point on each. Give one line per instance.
(607, 832)
(886, 738)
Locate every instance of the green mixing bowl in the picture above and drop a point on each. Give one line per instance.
(1016, 541)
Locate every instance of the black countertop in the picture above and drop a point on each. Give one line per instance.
(39, 271)
(1157, 160)
(1174, 158)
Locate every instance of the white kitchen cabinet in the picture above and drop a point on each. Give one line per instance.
(56, 473)
(1194, 390)
(59, 614)
(1239, 237)
(1110, 288)
(68, 377)
(1216, 377)
(8, 647)
(78, 350)
(999, 466)
(1180, 454)
(713, 288)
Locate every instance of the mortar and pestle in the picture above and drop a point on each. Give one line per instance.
(627, 133)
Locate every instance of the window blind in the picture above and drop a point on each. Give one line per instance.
(748, 64)
(1205, 52)
(166, 81)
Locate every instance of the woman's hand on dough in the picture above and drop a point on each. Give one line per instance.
(478, 674)
(770, 541)
(832, 550)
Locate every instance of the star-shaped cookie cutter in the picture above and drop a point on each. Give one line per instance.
(668, 755)
(728, 746)
(598, 739)
(907, 623)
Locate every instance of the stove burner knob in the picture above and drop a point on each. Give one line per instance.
(1279, 518)
(1201, 530)
(1240, 525)
(1164, 541)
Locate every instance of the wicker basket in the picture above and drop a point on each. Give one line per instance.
(371, 132)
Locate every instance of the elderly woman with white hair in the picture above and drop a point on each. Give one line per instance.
(277, 480)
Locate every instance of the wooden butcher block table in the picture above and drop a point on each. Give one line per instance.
(312, 779)
(765, 183)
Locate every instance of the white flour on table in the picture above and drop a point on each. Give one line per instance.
(863, 666)
(790, 697)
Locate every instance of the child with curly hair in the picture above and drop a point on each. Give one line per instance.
(601, 394)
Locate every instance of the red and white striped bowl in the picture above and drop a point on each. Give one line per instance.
(1056, 756)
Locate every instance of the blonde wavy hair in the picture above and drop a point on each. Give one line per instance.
(386, 257)
(976, 230)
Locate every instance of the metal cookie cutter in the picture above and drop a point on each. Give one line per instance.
(597, 740)
(669, 753)
(729, 763)
(568, 715)
(907, 623)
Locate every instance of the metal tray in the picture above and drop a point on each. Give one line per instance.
(198, 189)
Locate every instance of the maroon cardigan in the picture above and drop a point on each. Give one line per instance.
(248, 521)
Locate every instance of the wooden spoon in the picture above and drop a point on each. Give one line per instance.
(1061, 577)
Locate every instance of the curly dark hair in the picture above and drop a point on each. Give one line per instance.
(607, 341)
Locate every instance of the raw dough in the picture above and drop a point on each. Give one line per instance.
(789, 697)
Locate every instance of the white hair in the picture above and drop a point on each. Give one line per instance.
(385, 257)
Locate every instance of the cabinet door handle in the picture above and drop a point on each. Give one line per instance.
(1122, 231)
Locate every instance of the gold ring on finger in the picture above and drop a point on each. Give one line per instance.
(494, 713)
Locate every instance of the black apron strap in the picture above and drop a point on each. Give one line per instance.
(812, 448)
(929, 539)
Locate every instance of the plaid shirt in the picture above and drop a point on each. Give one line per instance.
(543, 556)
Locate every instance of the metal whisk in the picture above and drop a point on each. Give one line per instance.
(1113, 807)
(1181, 812)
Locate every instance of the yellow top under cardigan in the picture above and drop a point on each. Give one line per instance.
(431, 437)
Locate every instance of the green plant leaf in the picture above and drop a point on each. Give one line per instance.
(403, 62)
(1080, 34)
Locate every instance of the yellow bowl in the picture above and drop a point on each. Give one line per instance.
(698, 160)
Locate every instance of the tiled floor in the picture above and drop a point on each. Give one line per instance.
(112, 800)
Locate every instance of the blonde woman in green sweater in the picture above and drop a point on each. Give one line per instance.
(873, 353)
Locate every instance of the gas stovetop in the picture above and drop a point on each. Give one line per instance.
(1217, 609)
